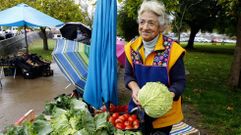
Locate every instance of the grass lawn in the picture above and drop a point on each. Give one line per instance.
(206, 89)
(37, 48)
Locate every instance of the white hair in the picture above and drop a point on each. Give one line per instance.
(157, 8)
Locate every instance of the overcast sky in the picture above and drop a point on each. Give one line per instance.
(89, 5)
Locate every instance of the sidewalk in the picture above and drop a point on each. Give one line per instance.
(20, 95)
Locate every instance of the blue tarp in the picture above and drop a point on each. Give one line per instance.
(101, 85)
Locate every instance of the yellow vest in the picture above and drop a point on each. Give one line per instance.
(175, 114)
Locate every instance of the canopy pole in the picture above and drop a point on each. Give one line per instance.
(26, 38)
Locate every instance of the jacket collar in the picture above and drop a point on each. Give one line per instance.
(138, 43)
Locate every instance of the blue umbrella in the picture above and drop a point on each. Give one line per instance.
(72, 59)
(24, 15)
(101, 84)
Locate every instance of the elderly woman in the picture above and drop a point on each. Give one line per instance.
(153, 57)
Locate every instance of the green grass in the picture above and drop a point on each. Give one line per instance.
(36, 47)
(207, 90)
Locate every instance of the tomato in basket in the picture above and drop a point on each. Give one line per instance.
(112, 120)
(126, 116)
(128, 127)
(128, 123)
(120, 126)
(133, 116)
(124, 121)
(136, 123)
(118, 120)
(115, 115)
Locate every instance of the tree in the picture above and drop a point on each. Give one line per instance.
(197, 14)
(10, 3)
(233, 12)
(87, 9)
(64, 10)
(179, 12)
(127, 19)
(201, 16)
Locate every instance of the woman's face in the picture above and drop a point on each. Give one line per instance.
(149, 26)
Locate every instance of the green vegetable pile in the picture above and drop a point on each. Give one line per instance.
(155, 99)
(67, 116)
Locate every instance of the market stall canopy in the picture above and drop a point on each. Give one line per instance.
(101, 85)
(72, 58)
(26, 16)
(76, 30)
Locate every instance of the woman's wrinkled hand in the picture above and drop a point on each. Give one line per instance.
(173, 94)
(135, 96)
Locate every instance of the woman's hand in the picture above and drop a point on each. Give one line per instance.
(135, 96)
(173, 94)
(135, 89)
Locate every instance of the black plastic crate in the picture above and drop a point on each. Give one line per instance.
(46, 73)
(9, 71)
(31, 73)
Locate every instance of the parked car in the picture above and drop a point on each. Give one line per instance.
(217, 40)
(229, 41)
(202, 40)
(9, 35)
(2, 35)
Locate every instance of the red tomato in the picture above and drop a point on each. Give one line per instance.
(130, 119)
(115, 115)
(136, 122)
(127, 123)
(118, 120)
(112, 120)
(134, 117)
(120, 126)
(122, 117)
(126, 115)
(135, 126)
(128, 127)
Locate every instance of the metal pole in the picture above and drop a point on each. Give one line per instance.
(26, 38)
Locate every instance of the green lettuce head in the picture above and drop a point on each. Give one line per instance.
(155, 99)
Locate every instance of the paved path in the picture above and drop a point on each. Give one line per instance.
(20, 95)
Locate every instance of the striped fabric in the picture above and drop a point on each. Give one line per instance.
(72, 58)
(184, 129)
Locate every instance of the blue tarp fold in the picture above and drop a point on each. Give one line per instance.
(101, 85)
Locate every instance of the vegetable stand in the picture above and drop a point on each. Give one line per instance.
(69, 115)
(65, 115)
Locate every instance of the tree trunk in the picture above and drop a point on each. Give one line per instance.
(194, 31)
(178, 35)
(45, 39)
(234, 77)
